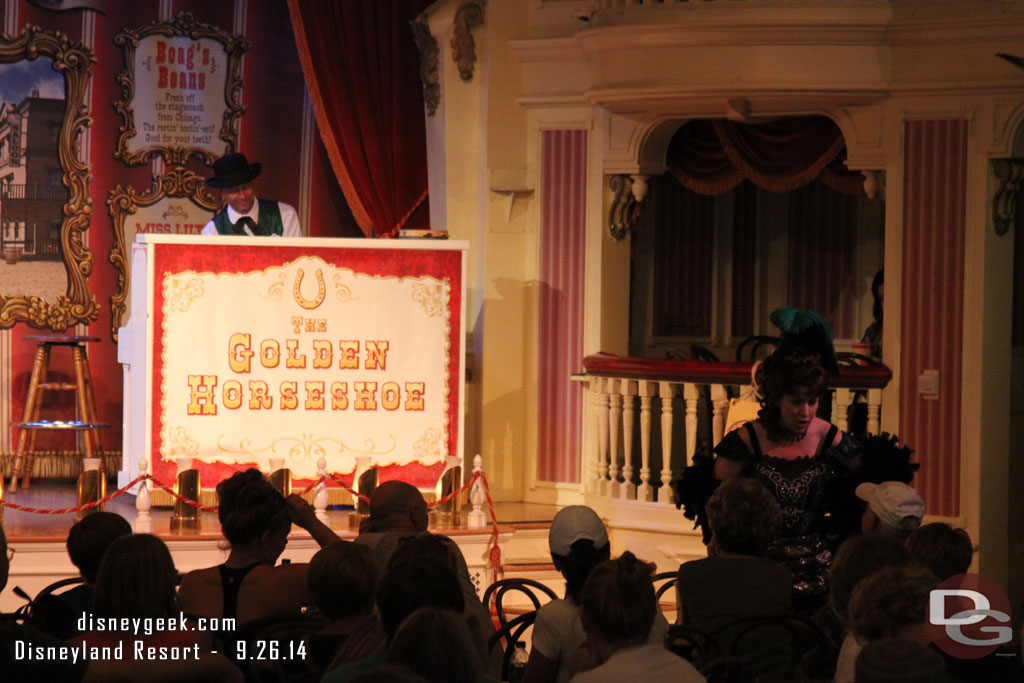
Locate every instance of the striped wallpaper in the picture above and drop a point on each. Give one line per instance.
(560, 307)
(931, 306)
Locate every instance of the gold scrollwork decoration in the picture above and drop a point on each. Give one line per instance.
(276, 290)
(184, 24)
(1009, 173)
(467, 17)
(181, 293)
(123, 202)
(342, 292)
(74, 62)
(621, 215)
(430, 69)
(321, 292)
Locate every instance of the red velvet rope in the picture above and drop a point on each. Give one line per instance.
(495, 552)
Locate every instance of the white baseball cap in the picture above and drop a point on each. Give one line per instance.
(575, 523)
(894, 503)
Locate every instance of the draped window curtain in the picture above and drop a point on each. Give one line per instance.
(714, 156)
(362, 71)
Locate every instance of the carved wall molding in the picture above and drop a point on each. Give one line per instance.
(623, 212)
(874, 184)
(467, 17)
(1008, 173)
(429, 63)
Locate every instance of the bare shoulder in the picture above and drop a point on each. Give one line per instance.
(819, 429)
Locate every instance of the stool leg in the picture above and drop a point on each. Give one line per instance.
(30, 453)
(39, 368)
(90, 416)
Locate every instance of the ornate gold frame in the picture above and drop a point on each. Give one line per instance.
(184, 24)
(75, 62)
(123, 201)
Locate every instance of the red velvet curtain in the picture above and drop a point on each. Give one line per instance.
(362, 70)
(713, 156)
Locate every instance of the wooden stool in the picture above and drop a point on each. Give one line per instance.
(82, 386)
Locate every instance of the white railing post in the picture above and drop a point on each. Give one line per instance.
(602, 437)
(665, 393)
(691, 394)
(591, 442)
(719, 410)
(476, 519)
(874, 411)
(320, 497)
(143, 518)
(628, 391)
(646, 390)
(614, 422)
(841, 399)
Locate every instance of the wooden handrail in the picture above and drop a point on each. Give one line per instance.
(697, 372)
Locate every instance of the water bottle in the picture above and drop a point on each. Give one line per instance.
(517, 667)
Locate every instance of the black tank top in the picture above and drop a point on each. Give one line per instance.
(231, 582)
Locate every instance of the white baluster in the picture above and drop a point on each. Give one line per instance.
(665, 392)
(628, 490)
(719, 409)
(840, 407)
(874, 411)
(143, 519)
(614, 422)
(690, 395)
(646, 390)
(592, 425)
(320, 497)
(476, 519)
(602, 437)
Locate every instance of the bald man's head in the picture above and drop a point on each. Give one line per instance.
(398, 506)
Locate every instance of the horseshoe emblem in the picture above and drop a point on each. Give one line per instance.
(320, 294)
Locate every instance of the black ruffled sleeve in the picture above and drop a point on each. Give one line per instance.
(732, 447)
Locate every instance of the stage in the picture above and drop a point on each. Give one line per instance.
(41, 557)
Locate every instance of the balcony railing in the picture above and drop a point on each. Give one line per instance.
(632, 452)
(48, 192)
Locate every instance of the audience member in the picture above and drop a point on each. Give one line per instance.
(891, 603)
(443, 549)
(342, 578)
(136, 586)
(578, 542)
(617, 608)
(255, 519)
(438, 645)
(13, 632)
(736, 580)
(87, 541)
(857, 558)
(893, 509)
(891, 660)
(403, 588)
(943, 549)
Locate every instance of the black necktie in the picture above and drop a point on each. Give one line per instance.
(241, 223)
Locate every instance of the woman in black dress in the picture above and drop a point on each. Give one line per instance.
(803, 460)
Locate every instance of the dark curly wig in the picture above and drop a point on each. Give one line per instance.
(784, 372)
(248, 506)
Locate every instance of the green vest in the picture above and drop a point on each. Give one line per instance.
(269, 224)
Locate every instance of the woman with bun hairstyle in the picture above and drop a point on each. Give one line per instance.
(255, 519)
(617, 608)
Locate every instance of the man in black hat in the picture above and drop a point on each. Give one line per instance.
(243, 213)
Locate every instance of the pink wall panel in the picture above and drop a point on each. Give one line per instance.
(931, 307)
(562, 248)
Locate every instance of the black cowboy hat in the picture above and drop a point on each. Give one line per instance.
(232, 170)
